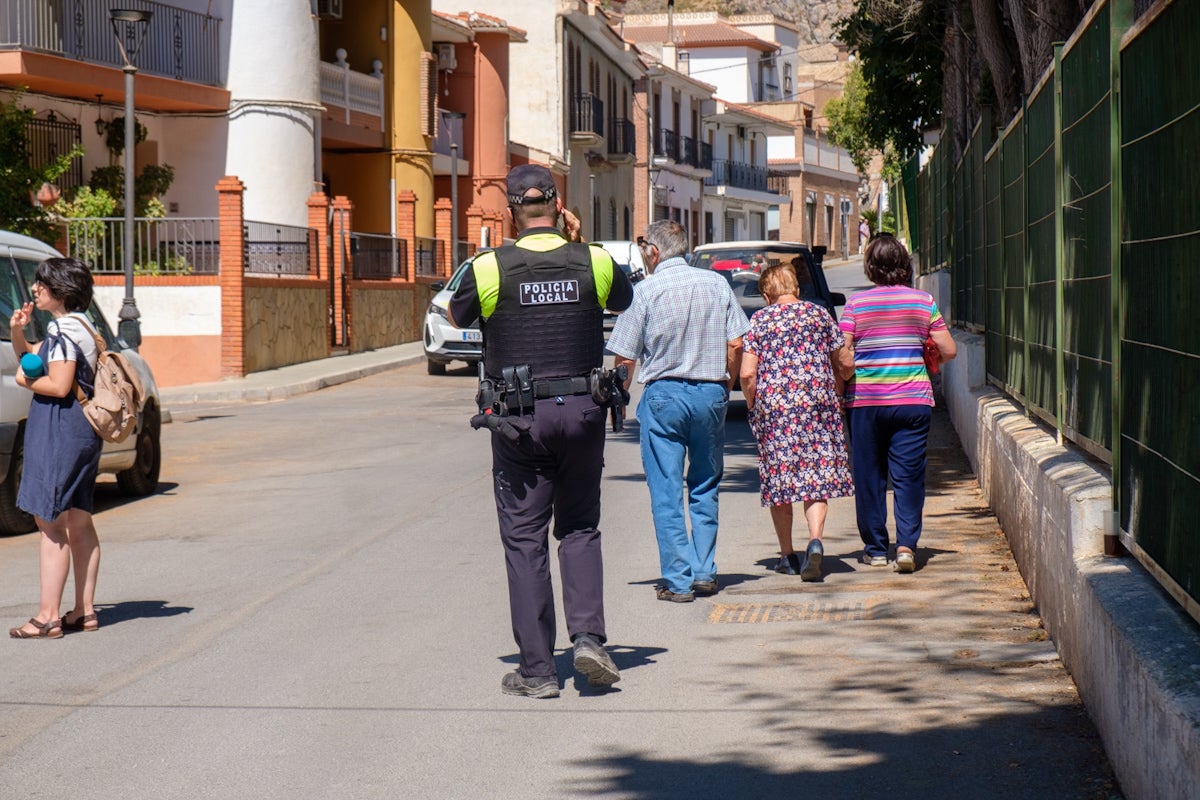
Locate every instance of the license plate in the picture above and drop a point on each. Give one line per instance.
(472, 336)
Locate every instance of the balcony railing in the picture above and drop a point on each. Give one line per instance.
(621, 136)
(378, 257)
(587, 114)
(353, 91)
(171, 246)
(687, 151)
(738, 175)
(667, 144)
(705, 160)
(180, 44)
(273, 249)
(449, 131)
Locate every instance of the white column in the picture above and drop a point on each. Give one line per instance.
(275, 92)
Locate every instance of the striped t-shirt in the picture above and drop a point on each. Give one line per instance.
(889, 325)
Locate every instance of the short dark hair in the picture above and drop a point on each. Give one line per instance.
(887, 262)
(522, 214)
(68, 279)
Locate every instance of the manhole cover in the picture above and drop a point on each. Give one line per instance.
(790, 612)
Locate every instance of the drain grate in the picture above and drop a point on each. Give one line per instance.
(790, 612)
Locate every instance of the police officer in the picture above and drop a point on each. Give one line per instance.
(540, 302)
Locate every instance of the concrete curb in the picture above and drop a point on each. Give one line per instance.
(278, 384)
(1133, 653)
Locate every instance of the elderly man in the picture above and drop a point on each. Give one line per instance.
(686, 327)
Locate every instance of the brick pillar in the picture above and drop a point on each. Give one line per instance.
(343, 219)
(441, 229)
(474, 225)
(232, 230)
(406, 228)
(496, 222)
(318, 220)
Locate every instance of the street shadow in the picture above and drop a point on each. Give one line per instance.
(981, 758)
(115, 613)
(108, 495)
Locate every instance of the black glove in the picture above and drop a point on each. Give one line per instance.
(510, 428)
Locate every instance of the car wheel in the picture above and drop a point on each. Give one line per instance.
(435, 367)
(142, 478)
(12, 519)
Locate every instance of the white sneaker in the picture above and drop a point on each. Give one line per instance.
(905, 562)
(874, 561)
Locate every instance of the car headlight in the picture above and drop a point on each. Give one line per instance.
(438, 311)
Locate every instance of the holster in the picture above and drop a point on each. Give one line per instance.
(600, 385)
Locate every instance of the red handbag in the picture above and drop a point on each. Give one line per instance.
(933, 359)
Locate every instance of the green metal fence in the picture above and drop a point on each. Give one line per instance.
(1159, 364)
(1072, 238)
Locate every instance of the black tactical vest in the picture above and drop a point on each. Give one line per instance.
(547, 313)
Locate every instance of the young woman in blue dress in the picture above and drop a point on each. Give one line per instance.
(61, 451)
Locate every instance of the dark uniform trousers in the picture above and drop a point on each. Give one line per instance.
(553, 472)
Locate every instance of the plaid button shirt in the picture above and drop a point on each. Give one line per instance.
(680, 322)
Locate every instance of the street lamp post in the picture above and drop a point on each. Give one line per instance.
(129, 26)
(454, 115)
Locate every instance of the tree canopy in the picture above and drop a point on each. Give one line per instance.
(933, 63)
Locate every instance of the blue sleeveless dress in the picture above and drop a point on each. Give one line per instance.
(62, 452)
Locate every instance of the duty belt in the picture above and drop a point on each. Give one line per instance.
(557, 387)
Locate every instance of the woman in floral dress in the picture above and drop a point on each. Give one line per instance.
(793, 365)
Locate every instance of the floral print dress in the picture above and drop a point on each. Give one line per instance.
(796, 419)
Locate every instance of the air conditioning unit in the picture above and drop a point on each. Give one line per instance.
(445, 55)
(329, 9)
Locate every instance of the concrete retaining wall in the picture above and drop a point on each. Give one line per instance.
(1134, 655)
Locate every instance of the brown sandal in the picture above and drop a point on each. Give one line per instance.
(84, 623)
(51, 629)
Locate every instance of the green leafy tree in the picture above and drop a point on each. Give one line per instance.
(848, 121)
(19, 179)
(899, 48)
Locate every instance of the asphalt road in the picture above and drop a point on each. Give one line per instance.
(314, 607)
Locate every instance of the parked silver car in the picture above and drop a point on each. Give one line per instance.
(135, 461)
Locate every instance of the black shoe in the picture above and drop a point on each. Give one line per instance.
(811, 569)
(704, 588)
(663, 593)
(788, 565)
(592, 660)
(540, 687)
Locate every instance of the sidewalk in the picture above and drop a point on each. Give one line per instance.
(277, 384)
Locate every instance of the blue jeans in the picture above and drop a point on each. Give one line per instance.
(889, 441)
(681, 419)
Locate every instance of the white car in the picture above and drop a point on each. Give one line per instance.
(135, 461)
(627, 256)
(444, 342)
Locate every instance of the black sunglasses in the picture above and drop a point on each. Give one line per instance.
(642, 243)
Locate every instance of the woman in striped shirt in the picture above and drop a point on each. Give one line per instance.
(890, 399)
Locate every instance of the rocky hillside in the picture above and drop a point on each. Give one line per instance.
(815, 18)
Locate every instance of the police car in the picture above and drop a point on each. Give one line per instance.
(444, 342)
(135, 461)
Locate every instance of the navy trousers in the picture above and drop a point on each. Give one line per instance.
(553, 473)
(889, 441)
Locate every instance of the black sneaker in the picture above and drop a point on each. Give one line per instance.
(704, 588)
(540, 687)
(663, 593)
(811, 569)
(592, 660)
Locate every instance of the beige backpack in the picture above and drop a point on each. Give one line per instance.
(113, 407)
